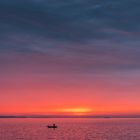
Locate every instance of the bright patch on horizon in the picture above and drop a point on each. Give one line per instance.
(76, 111)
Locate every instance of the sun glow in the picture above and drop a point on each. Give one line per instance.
(76, 111)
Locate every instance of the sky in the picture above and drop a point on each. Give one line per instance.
(69, 57)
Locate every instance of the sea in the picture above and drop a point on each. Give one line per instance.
(70, 129)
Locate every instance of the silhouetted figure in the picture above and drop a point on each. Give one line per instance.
(52, 126)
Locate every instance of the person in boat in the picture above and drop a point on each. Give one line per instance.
(52, 126)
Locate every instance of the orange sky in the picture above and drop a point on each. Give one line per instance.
(72, 94)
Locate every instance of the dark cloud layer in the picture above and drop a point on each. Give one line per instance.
(91, 33)
(77, 20)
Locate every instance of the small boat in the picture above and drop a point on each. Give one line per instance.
(52, 126)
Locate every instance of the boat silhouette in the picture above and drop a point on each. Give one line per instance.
(52, 126)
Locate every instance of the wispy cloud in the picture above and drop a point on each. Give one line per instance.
(76, 20)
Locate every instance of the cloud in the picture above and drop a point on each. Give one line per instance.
(73, 21)
(74, 36)
(41, 55)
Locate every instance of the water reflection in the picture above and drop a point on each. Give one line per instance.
(70, 129)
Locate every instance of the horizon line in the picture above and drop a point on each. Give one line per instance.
(69, 116)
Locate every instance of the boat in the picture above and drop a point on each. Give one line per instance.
(52, 126)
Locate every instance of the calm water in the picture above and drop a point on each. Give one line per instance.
(70, 129)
